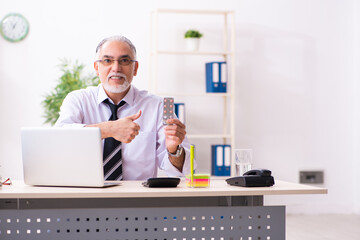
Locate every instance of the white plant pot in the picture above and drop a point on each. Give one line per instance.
(192, 44)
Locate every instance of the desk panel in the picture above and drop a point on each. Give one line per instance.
(175, 223)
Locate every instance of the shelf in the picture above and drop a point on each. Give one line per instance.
(208, 135)
(225, 52)
(178, 52)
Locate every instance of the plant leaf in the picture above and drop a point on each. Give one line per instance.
(71, 79)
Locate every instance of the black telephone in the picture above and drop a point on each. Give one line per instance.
(160, 182)
(253, 178)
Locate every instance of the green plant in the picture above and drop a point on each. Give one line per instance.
(71, 79)
(193, 34)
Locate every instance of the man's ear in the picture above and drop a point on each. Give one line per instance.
(136, 68)
(96, 67)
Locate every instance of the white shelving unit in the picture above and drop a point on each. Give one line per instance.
(227, 54)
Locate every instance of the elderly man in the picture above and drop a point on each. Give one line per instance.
(136, 143)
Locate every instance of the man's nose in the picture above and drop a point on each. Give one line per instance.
(116, 66)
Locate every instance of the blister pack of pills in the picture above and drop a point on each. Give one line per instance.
(168, 112)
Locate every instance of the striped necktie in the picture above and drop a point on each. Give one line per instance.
(112, 149)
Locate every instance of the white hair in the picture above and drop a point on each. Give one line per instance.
(116, 38)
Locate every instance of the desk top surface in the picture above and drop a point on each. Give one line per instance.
(134, 189)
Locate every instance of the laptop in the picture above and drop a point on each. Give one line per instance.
(63, 157)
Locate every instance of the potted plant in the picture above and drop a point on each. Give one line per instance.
(71, 79)
(192, 38)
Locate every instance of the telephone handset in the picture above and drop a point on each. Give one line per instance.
(258, 172)
(253, 178)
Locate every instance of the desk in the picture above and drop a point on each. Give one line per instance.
(131, 211)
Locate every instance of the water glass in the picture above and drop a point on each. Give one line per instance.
(243, 161)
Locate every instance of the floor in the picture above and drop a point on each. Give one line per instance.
(323, 227)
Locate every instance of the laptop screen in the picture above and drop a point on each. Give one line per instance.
(62, 156)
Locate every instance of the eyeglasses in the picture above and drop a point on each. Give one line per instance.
(121, 61)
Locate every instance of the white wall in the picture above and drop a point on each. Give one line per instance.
(297, 80)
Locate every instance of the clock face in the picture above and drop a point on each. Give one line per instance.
(14, 27)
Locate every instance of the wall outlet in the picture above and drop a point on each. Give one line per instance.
(313, 177)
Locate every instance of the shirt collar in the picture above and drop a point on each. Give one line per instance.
(129, 97)
(101, 94)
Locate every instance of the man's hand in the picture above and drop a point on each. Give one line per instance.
(123, 129)
(174, 134)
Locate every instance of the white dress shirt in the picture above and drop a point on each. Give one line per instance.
(147, 152)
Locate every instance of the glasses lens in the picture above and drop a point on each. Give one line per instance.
(107, 62)
(124, 61)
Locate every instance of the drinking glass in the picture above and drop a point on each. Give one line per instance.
(243, 161)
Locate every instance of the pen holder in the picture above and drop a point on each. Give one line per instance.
(199, 180)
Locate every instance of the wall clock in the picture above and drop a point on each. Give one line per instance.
(14, 27)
